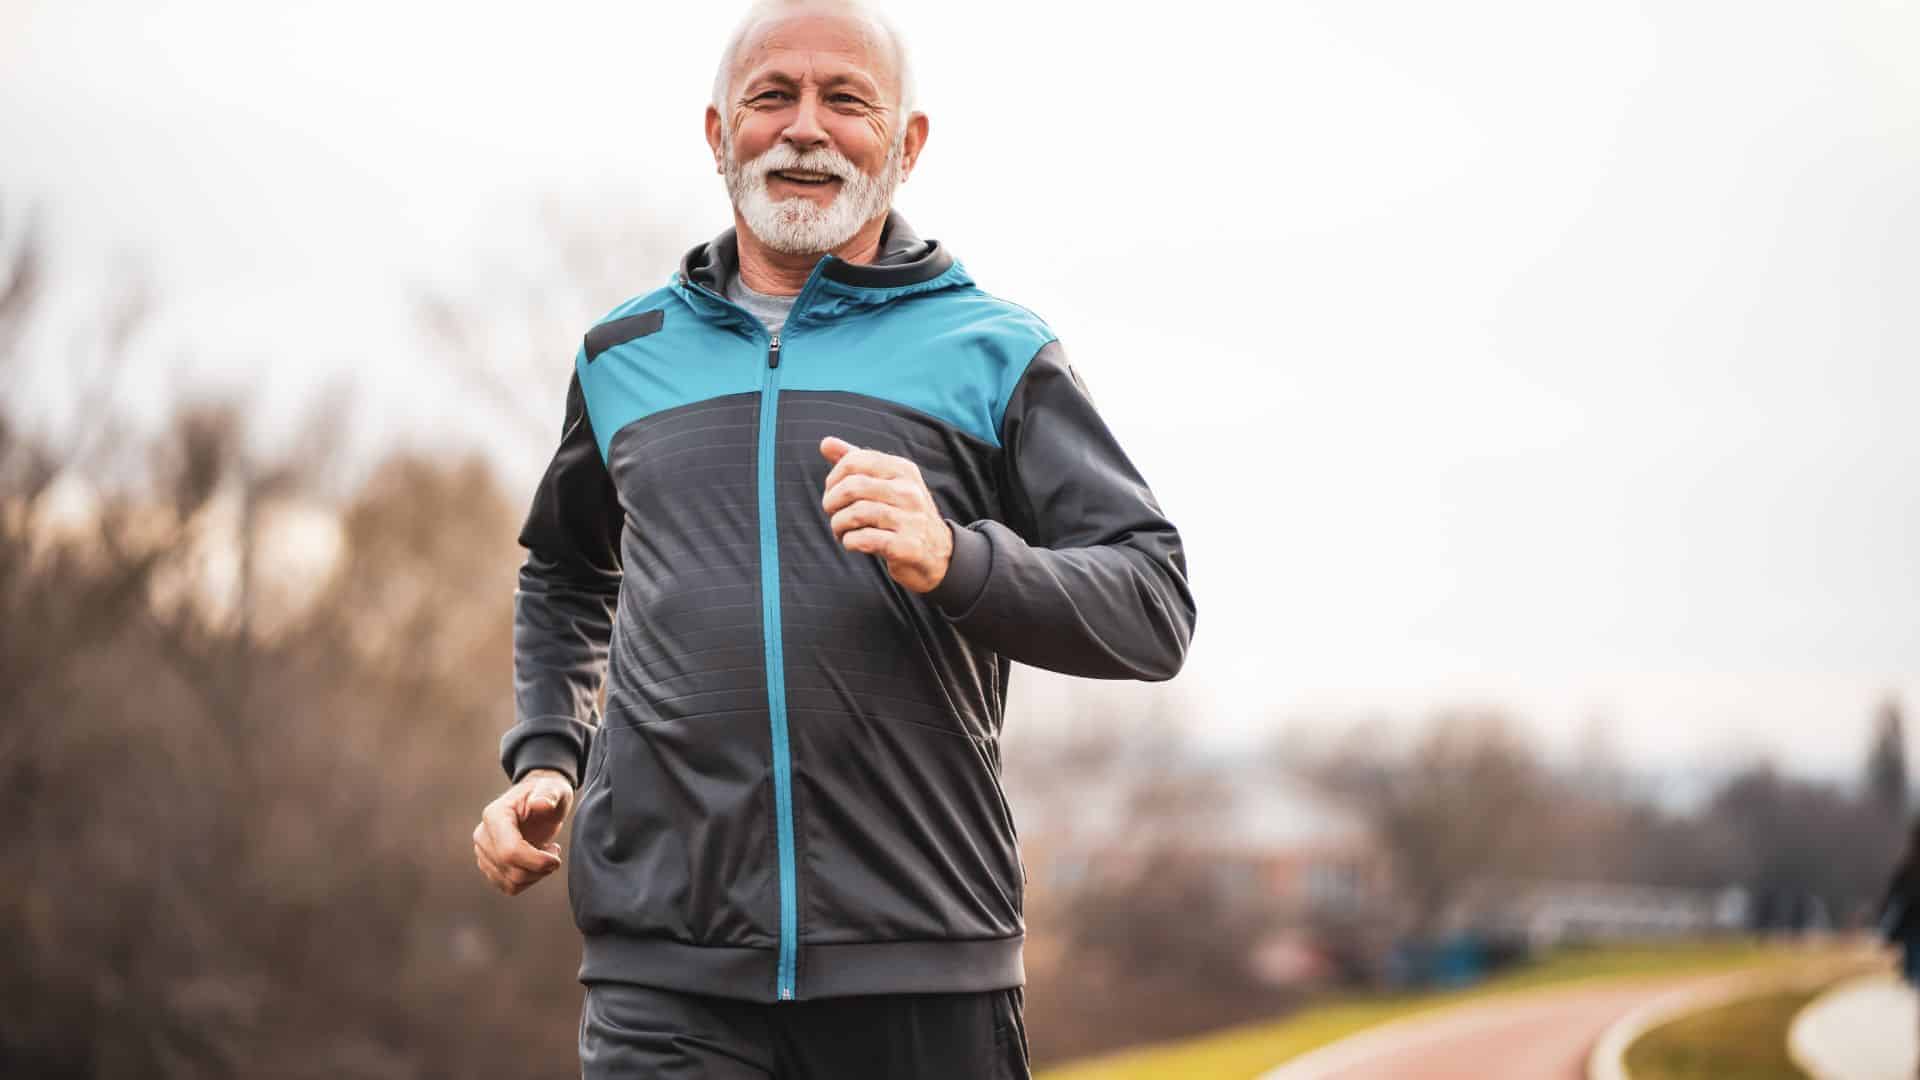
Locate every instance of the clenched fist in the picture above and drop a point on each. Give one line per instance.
(514, 842)
(881, 506)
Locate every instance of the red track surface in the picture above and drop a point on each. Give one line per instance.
(1545, 1035)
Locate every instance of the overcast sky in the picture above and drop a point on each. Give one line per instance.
(1562, 356)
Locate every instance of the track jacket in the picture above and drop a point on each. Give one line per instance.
(794, 791)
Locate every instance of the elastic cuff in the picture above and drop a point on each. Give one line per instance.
(967, 571)
(547, 752)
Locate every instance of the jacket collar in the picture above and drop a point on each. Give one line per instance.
(904, 259)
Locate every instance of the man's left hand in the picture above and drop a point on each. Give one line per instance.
(881, 506)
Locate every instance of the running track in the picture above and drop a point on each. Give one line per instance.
(1540, 1035)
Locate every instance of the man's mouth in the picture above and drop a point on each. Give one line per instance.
(805, 178)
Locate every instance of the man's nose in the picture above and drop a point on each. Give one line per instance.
(805, 131)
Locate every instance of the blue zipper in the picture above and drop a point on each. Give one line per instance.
(784, 975)
(776, 668)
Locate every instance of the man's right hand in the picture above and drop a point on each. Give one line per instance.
(514, 842)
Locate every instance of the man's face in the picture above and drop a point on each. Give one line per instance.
(812, 145)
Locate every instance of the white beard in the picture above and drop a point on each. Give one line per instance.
(798, 225)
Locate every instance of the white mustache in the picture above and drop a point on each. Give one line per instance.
(783, 157)
(800, 225)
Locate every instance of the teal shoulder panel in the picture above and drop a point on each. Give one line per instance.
(675, 359)
(955, 354)
(635, 305)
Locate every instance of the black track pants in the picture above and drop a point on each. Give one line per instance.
(631, 1032)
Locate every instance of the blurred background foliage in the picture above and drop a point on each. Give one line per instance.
(252, 715)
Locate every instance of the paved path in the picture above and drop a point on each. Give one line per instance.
(1864, 1029)
(1543, 1035)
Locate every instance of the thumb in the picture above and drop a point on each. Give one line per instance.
(833, 448)
(539, 801)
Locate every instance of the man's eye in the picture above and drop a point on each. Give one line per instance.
(848, 98)
(765, 94)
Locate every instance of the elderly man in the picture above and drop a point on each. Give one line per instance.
(812, 499)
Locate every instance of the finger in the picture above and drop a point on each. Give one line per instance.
(833, 448)
(869, 540)
(526, 858)
(542, 801)
(868, 512)
(510, 849)
(860, 486)
(557, 791)
(501, 828)
(489, 860)
(522, 801)
(497, 877)
(512, 879)
(487, 868)
(518, 880)
(871, 463)
(494, 836)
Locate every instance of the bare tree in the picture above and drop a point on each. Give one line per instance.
(240, 850)
(512, 337)
(1469, 802)
(1136, 929)
(1886, 771)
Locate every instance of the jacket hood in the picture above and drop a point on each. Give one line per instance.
(905, 264)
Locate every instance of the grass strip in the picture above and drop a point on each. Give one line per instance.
(1745, 1038)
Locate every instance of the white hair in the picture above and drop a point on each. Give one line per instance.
(722, 78)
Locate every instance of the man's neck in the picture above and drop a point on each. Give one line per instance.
(778, 273)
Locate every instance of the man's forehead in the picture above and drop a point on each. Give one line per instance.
(830, 45)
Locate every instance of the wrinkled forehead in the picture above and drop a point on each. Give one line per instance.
(825, 46)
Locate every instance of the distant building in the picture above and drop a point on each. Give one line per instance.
(1545, 913)
(1267, 842)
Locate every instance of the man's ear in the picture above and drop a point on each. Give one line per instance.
(713, 139)
(916, 138)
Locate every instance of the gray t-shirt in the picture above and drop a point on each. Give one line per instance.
(769, 309)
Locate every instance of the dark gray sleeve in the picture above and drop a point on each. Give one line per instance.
(564, 604)
(1087, 576)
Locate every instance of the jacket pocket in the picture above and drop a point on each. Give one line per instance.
(901, 834)
(687, 834)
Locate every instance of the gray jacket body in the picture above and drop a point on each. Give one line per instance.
(794, 791)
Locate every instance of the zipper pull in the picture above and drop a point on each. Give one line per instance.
(773, 354)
